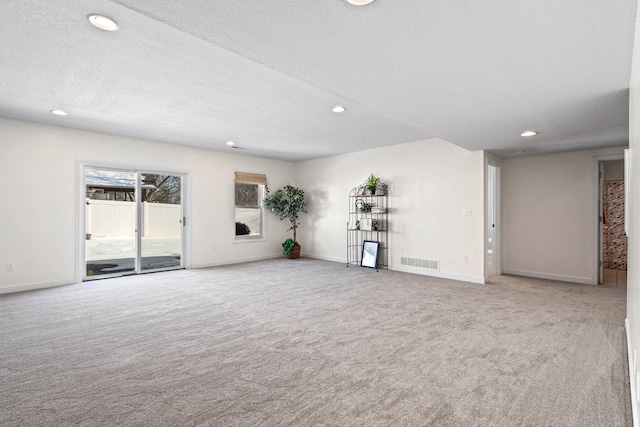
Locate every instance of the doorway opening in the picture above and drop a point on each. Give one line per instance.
(132, 221)
(612, 239)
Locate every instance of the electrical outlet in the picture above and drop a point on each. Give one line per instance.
(9, 266)
(466, 259)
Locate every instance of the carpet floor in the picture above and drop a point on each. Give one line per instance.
(313, 343)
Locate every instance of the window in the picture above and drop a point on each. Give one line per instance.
(249, 192)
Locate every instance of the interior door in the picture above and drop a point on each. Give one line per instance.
(601, 222)
(133, 222)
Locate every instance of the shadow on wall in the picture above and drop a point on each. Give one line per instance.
(316, 198)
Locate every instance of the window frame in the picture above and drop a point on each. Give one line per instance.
(261, 235)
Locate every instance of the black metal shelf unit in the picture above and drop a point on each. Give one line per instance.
(368, 220)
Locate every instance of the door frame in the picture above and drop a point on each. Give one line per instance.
(497, 219)
(597, 215)
(81, 166)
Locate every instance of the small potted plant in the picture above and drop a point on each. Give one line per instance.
(372, 183)
(287, 203)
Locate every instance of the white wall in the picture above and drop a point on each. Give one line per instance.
(633, 274)
(614, 170)
(431, 183)
(549, 215)
(38, 168)
(548, 204)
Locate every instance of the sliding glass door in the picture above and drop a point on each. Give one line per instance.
(161, 221)
(133, 221)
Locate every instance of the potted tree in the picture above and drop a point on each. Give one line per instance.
(287, 203)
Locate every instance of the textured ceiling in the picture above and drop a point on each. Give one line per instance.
(265, 74)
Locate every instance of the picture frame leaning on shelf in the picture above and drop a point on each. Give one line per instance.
(369, 254)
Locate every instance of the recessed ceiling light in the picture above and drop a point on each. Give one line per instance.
(520, 152)
(360, 2)
(529, 133)
(103, 22)
(338, 109)
(231, 143)
(58, 112)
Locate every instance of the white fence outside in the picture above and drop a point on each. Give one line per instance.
(108, 218)
(160, 220)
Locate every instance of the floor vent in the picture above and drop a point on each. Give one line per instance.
(422, 263)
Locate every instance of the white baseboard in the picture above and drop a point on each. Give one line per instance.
(427, 272)
(538, 275)
(406, 269)
(44, 285)
(33, 286)
(632, 375)
(412, 270)
(325, 258)
(236, 261)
